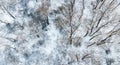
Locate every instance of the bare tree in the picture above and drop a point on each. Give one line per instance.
(88, 29)
(103, 15)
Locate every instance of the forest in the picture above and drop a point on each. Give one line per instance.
(59, 32)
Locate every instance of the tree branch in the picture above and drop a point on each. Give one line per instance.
(9, 13)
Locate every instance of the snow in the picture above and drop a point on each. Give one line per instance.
(36, 46)
(6, 18)
(55, 4)
(31, 4)
(53, 35)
